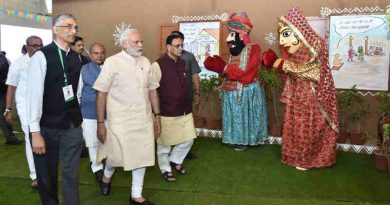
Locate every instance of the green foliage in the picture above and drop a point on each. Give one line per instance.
(350, 103)
(270, 79)
(384, 102)
(272, 82)
(208, 83)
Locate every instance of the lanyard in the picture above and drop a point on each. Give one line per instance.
(63, 67)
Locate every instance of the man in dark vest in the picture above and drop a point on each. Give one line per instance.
(54, 116)
(78, 47)
(178, 131)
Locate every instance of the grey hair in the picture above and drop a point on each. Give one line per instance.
(61, 17)
(125, 35)
(95, 44)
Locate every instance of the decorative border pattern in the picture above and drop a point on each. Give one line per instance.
(326, 11)
(222, 17)
(364, 93)
(365, 149)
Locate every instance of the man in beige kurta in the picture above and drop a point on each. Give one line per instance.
(127, 89)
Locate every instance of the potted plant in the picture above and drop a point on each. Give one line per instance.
(353, 109)
(384, 111)
(210, 106)
(344, 101)
(272, 82)
(382, 153)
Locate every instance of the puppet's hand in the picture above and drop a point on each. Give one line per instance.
(269, 58)
(215, 63)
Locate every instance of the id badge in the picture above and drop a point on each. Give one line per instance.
(68, 93)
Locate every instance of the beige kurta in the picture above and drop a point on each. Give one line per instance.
(130, 135)
(174, 130)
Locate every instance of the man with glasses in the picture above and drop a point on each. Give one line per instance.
(54, 116)
(78, 47)
(16, 81)
(178, 131)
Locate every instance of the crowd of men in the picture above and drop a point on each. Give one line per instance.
(116, 106)
(122, 106)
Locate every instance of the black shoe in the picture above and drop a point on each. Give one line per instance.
(14, 141)
(239, 147)
(190, 156)
(105, 188)
(146, 202)
(99, 176)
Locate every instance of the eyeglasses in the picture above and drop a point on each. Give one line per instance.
(69, 27)
(36, 46)
(178, 46)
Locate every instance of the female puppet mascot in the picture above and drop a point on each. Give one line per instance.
(310, 127)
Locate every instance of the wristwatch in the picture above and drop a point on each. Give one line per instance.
(6, 111)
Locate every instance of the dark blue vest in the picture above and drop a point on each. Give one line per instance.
(89, 74)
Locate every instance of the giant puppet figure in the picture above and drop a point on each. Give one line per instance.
(243, 99)
(310, 126)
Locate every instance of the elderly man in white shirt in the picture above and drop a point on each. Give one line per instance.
(16, 81)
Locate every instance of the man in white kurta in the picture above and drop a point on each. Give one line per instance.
(17, 87)
(127, 88)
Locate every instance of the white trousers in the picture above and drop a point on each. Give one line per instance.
(29, 153)
(166, 154)
(89, 128)
(137, 179)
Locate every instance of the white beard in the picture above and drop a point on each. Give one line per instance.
(134, 52)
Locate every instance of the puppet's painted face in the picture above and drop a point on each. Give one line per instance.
(235, 43)
(289, 40)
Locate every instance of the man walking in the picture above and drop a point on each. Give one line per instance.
(54, 115)
(16, 81)
(127, 93)
(178, 131)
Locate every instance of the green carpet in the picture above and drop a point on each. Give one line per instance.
(220, 175)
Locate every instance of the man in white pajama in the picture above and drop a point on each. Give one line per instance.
(177, 124)
(127, 91)
(17, 81)
(87, 100)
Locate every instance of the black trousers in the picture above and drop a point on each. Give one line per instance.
(64, 145)
(4, 126)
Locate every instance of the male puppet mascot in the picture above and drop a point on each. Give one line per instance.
(244, 106)
(310, 126)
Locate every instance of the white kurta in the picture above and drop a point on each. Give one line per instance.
(17, 77)
(130, 135)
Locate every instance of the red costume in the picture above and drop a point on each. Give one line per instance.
(310, 126)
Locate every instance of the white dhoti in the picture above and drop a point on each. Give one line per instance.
(89, 127)
(175, 141)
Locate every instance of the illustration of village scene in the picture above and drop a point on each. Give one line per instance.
(359, 51)
(199, 38)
